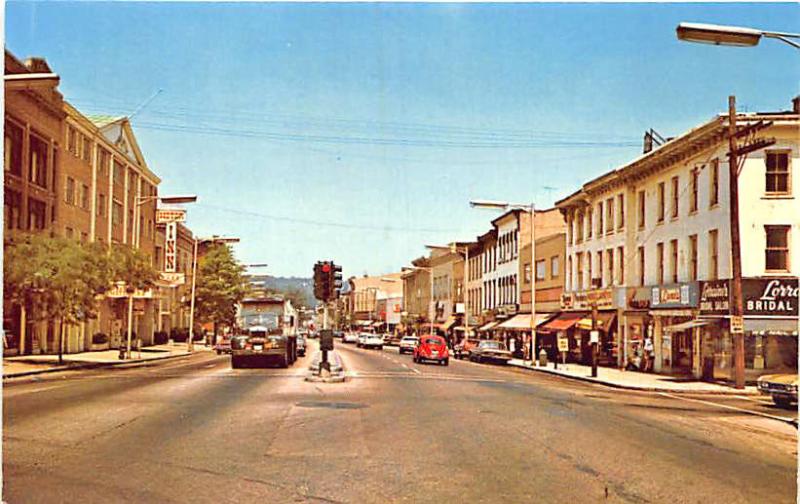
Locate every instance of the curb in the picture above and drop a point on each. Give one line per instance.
(596, 381)
(337, 370)
(90, 365)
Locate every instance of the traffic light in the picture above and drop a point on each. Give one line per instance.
(327, 280)
(337, 280)
(318, 294)
(325, 287)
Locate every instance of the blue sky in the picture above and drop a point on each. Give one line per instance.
(359, 132)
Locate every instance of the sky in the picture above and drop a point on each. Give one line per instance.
(359, 133)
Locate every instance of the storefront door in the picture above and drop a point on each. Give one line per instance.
(682, 351)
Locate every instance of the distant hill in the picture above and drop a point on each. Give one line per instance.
(283, 284)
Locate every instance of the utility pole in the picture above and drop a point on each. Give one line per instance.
(737, 308)
(594, 336)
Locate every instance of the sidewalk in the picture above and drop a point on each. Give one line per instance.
(24, 365)
(634, 380)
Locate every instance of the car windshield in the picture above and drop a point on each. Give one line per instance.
(434, 341)
(494, 345)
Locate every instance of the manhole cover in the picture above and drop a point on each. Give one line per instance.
(332, 405)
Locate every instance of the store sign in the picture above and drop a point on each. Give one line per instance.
(166, 215)
(170, 247)
(118, 290)
(639, 298)
(584, 300)
(770, 296)
(683, 295)
(715, 297)
(566, 300)
(173, 279)
(563, 342)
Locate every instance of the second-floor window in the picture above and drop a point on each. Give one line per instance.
(599, 219)
(673, 249)
(693, 257)
(12, 152)
(675, 197)
(101, 205)
(579, 270)
(660, 260)
(777, 252)
(85, 197)
(640, 254)
(554, 267)
(620, 211)
(609, 215)
(713, 253)
(116, 215)
(38, 161)
(621, 261)
(600, 268)
(579, 230)
(589, 226)
(661, 201)
(541, 269)
(610, 260)
(641, 206)
(693, 196)
(778, 178)
(714, 185)
(69, 196)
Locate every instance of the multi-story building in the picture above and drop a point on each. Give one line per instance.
(172, 303)
(417, 295)
(649, 245)
(363, 296)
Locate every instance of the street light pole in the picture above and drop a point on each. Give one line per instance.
(737, 308)
(730, 35)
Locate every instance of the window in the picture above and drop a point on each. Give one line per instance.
(610, 215)
(714, 176)
(37, 163)
(119, 173)
(693, 257)
(87, 148)
(641, 218)
(777, 253)
(554, 267)
(600, 219)
(621, 261)
(569, 272)
(579, 229)
(713, 254)
(85, 197)
(72, 140)
(589, 223)
(620, 211)
(673, 261)
(778, 181)
(693, 201)
(101, 204)
(675, 196)
(12, 209)
(69, 232)
(588, 269)
(541, 269)
(102, 164)
(579, 270)
(12, 153)
(69, 196)
(610, 261)
(116, 216)
(36, 214)
(660, 259)
(527, 276)
(570, 224)
(600, 268)
(640, 254)
(661, 201)
(84, 237)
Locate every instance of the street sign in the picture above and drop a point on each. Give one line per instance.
(594, 336)
(172, 278)
(165, 215)
(563, 343)
(326, 339)
(737, 324)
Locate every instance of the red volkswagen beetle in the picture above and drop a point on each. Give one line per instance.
(432, 348)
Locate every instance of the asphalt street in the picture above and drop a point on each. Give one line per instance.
(195, 430)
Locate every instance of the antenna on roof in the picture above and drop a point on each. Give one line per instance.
(145, 103)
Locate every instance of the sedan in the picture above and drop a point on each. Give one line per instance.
(301, 345)
(371, 341)
(408, 343)
(350, 337)
(432, 348)
(223, 346)
(491, 351)
(782, 388)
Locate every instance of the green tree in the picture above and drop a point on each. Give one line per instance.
(220, 286)
(54, 278)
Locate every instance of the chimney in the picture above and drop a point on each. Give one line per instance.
(796, 104)
(648, 142)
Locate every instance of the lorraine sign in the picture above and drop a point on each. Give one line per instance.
(173, 278)
(166, 215)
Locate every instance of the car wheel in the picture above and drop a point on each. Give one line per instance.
(235, 363)
(380, 348)
(781, 402)
(446, 362)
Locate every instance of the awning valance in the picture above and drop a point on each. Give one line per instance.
(604, 321)
(564, 321)
(687, 325)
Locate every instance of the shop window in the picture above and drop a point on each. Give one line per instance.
(777, 252)
(12, 153)
(714, 185)
(777, 176)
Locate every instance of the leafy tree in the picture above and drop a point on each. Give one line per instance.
(220, 286)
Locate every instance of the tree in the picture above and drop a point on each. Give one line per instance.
(53, 278)
(220, 286)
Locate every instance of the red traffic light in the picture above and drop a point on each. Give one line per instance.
(326, 268)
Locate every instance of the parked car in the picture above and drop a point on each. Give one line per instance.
(407, 344)
(361, 338)
(301, 345)
(490, 351)
(338, 334)
(782, 388)
(464, 347)
(223, 345)
(262, 344)
(391, 339)
(350, 337)
(432, 348)
(370, 340)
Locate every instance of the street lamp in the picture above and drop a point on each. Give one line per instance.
(168, 200)
(730, 35)
(197, 241)
(430, 276)
(531, 208)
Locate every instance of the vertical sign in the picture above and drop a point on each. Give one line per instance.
(169, 246)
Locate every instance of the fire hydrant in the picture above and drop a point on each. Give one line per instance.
(542, 358)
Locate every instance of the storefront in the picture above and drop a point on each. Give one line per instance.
(677, 336)
(637, 328)
(606, 301)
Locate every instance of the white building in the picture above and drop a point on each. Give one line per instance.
(661, 263)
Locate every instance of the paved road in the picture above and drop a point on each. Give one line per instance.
(195, 430)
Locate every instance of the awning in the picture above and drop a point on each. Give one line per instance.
(565, 320)
(451, 321)
(763, 326)
(522, 321)
(687, 325)
(363, 322)
(377, 323)
(604, 321)
(488, 327)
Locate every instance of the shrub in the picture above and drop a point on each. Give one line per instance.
(160, 337)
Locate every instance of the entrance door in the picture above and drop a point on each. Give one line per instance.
(682, 351)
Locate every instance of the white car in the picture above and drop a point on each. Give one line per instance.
(350, 337)
(368, 340)
(408, 343)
